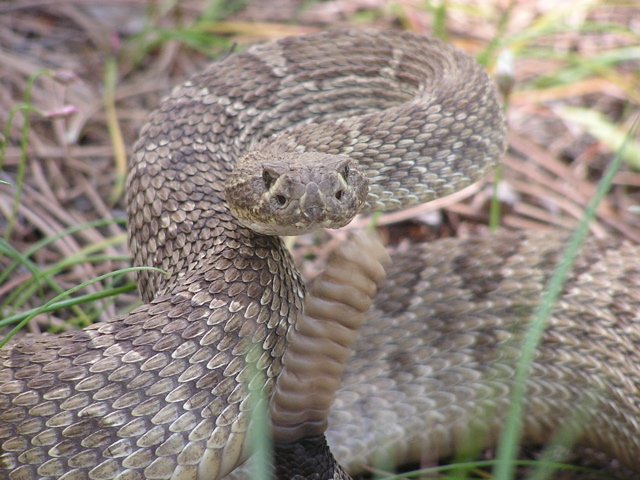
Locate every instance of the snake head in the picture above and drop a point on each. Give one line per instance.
(291, 193)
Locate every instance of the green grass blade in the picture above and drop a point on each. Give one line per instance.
(22, 294)
(41, 277)
(44, 308)
(37, 246)
(70, 302)
(9, 251)
(42, 243)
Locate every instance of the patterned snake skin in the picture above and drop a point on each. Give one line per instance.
(162, 392)
(435, 360)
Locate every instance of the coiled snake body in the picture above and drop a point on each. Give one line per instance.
(162, 392)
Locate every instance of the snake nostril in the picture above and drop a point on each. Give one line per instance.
(339, 195)
(281, 199)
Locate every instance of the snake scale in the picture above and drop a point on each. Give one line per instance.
(162, 392)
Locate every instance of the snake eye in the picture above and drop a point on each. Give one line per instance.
(281, 199)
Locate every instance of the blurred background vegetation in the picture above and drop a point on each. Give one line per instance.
(78, 78)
